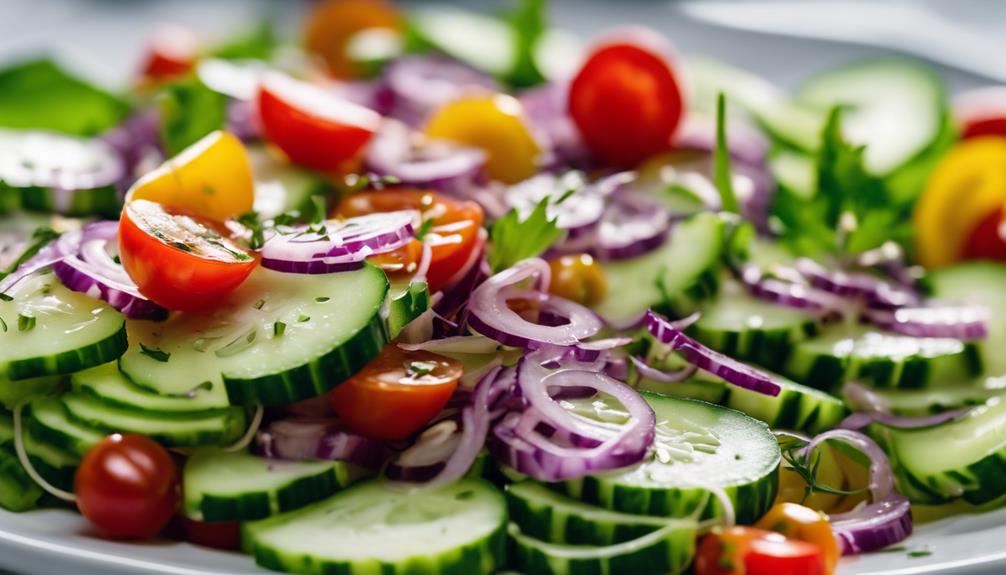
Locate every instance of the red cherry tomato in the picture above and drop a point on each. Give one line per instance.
(313, 127)
(397, 393)
(225, 535)
(626, 100)
(453, 235)
(771, 556)
(987, 240)
(172, 52)
(981, 112)
(178, 261)
(127, 486)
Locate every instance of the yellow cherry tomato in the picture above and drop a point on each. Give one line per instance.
(967, 185)
(211, 178)
(578, 277)
(793, 488)
(332, 24)
(493, 123)
(803, 524)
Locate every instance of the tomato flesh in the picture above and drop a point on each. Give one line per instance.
(225, 535)
(452, 235)
(397, 393)
(173, 52)
(177, 261)
(127, 487)
(987, 240)
(770, 556)
(313, 127)
(626, 100)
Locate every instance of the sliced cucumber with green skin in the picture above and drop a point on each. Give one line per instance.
(921, 402)
(480, 41)
(685, 270)
(18, 492)
(895, 107)
(55, 465)
(172, 430)
(108, 385)
(698, 446)
(102, 202)
(49, 421)
(846, 353)
(50, 330)
(279, 186)
(751, 329)
(962, 459)
(330, 326)
(14, 392)
(542, 513)
(406, 303)
(667, 550)
(378, 527)
(222, 486)
(983, 284)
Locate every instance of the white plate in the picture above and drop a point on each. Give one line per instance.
(51, 542)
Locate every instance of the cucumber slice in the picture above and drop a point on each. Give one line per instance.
(55, 465)
(378, 527)
(917, 403)
(483, 42)
(544, 514)
(963, 459)
(668, 550)
(883, 359)
(672, 278)
(173, 430)
(279, 186)
(221, 486)
(107, 384)
(48, 420)
(748, 328)
(978, 283)
(14, 392)
(18, 492)
(69, 331)
(895, 107)
(332, 327)
(406, 303)
(698, 445)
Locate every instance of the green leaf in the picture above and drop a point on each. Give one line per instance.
(722, 173)
(155, 353)
(251, 221)
(513, 240)
(38, 94)
(41, 237)
(528, 23)
(189, 111)
(257, 43)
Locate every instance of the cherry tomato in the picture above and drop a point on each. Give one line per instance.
(225, 535)
(313, 127)
(127, 486)
(578, 277)
(981, 112)
(332, 24)
(397, 393)
(178, 261)
(722, 551)
(804, 524)
(966, 188)
(495, 124)
(211, 178)
(626, 100)
(770, 556)
(987, 239)
(172, 52)
(453, 236)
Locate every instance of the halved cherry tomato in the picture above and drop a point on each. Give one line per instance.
(211, 178)
(803, 524)
(452, 237)
(751, 551)
(313, 127)
(397, 393)
(722, 551)
(967, 187)
(225, 535)
(332, 24)
(127, 486)
(176, 260)
(495, 124)
(172, 52)
(578, 277)
(626, 100)
(987, 240)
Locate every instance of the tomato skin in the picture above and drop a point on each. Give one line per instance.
(722, 552)
(172, 52)
(984, 127)
(167, 275)
(382, 402)
(333, 23)
(788, 557)
(987, 240)
(127, 486)
(804, 524)
(452, 237)
(626, 100)
(225, 535)
(313, 127)
(578, 277)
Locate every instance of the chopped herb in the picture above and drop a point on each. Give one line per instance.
(181, 246)
(5, 297)
(41, 237)
(278, 328)
(722, 173)
(204, 386)
(920, 553)
(420, 368)
(3, 325)
(514, 240)
(565, 196)
(155, 353)
(464, 495)
(259, 304)
(322, 299)
(424, 228)
(897, 549)
(25, 322)
(806, 465)
(208, 190)
(238, 344)
(203, 343)
(303, 318)
(286, 218)
(318, 206)
(251, 221)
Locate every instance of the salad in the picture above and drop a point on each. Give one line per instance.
(431, 291)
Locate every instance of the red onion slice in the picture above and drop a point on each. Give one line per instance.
(546, 111)
(789, 294)
(444, 166)
(43, 258)
(579, 210)
(357, 237)
(877, 292)
(632, 226)
(727, 368)
(962, 322)
(303, 438)
(413, 87)
(647, 371)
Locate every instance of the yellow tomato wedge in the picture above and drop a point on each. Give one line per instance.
(211, 178)
(967, 185)
(494, 124)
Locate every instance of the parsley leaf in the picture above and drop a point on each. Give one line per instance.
(722, 174)
(25, 322)
(256, 43)
(513, 240)
(424, 228)
(3, 325)
(155, 353)
(251, 221)
(189, 111)
(318, 209)
(278, 328)
(39, 94)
